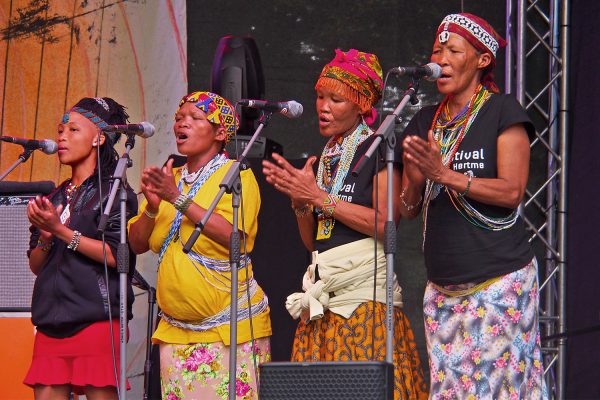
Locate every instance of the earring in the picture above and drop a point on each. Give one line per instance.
(94, 144)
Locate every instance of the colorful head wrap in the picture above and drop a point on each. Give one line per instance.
(218, 110)
(356, 76)
(102, 111)
(480, 34)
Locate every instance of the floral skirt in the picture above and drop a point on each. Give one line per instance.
(201, 370)
(486, 345)
(335, 338)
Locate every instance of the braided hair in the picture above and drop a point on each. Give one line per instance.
(112, 113)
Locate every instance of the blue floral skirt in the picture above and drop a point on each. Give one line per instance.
(486, 345)
(201, 370)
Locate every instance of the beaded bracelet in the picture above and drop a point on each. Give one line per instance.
(302, 211)
(44, 246)
(74, 241)
(149, 214)
(409, 206)
(182, 203)
(329, 205)
(463, 194)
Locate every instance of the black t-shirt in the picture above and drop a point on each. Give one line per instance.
(455, 250)
(356, 190)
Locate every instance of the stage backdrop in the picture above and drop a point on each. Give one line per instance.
(53, 52)
(295, 40)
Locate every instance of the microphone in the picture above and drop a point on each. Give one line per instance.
(430, 72)
(143, 129)
(46, 145)
(291, 109)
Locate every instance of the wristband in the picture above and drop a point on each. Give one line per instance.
(74, 241)
(182, 203)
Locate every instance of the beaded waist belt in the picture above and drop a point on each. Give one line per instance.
(218, 265)
(224, 316)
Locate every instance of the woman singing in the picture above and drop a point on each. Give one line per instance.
(194, 289)
(336, 218)
(73, 293)
(466, 164)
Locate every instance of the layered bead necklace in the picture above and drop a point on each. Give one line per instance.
(334, 166)
(449, 132)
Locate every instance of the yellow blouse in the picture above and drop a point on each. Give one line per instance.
(187, 290)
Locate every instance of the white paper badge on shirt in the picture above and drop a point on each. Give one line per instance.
(64, 216)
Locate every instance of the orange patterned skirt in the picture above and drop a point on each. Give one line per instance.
(335, 338)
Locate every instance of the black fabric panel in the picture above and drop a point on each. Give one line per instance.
(583, 273)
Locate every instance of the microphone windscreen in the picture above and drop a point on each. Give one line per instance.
(48, 146)
(295, 109)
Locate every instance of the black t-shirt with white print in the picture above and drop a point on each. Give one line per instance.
(356, 190)
(456, 251)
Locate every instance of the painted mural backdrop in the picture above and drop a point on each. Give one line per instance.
(53, 52)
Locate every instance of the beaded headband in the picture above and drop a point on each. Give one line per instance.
(476, 30)
(218, 110)
(99, 122)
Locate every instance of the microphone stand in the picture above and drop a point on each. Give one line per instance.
(22, 158)
(120, 183)
(386, 132)
(231, 183)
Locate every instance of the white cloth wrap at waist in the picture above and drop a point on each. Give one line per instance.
(346, 281)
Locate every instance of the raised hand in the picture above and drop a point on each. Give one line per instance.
(43, 215)
(298, 184)
(159, 184)
(425, 155)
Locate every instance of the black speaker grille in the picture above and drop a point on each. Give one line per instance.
(326, 380)
(16, 279)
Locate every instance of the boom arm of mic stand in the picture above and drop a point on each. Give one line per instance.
(387, 127)
(226, 184)
(24, 156)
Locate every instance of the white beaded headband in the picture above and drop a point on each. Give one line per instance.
(471, 26)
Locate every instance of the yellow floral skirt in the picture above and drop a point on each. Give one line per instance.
(335, 338)
(201, 370)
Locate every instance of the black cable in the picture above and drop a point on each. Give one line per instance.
(6, 71)
(252, 339)
(110, 319)
(99, 48)
(376, 234)
(39, 89)
(376, 209)
(69, 66)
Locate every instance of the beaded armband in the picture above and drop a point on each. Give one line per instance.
(43, 245)
(182, 203)
(74, 241)
(329, 205)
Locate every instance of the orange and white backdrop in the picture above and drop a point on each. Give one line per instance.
(53, 52)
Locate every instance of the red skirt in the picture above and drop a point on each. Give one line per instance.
(84, 359)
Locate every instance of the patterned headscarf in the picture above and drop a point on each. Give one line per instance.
(480, 34)
(218, 110)
(357, 77)
(102, 111)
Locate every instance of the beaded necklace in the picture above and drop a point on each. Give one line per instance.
(334, 166)
(190, 177)
(70, 191)
(449, 133)
(174, 232)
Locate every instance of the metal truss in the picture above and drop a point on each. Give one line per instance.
(536, 72)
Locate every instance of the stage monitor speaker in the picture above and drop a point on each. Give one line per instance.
(261, 148)
(16, 279)
(236, 74)
(326, 380)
